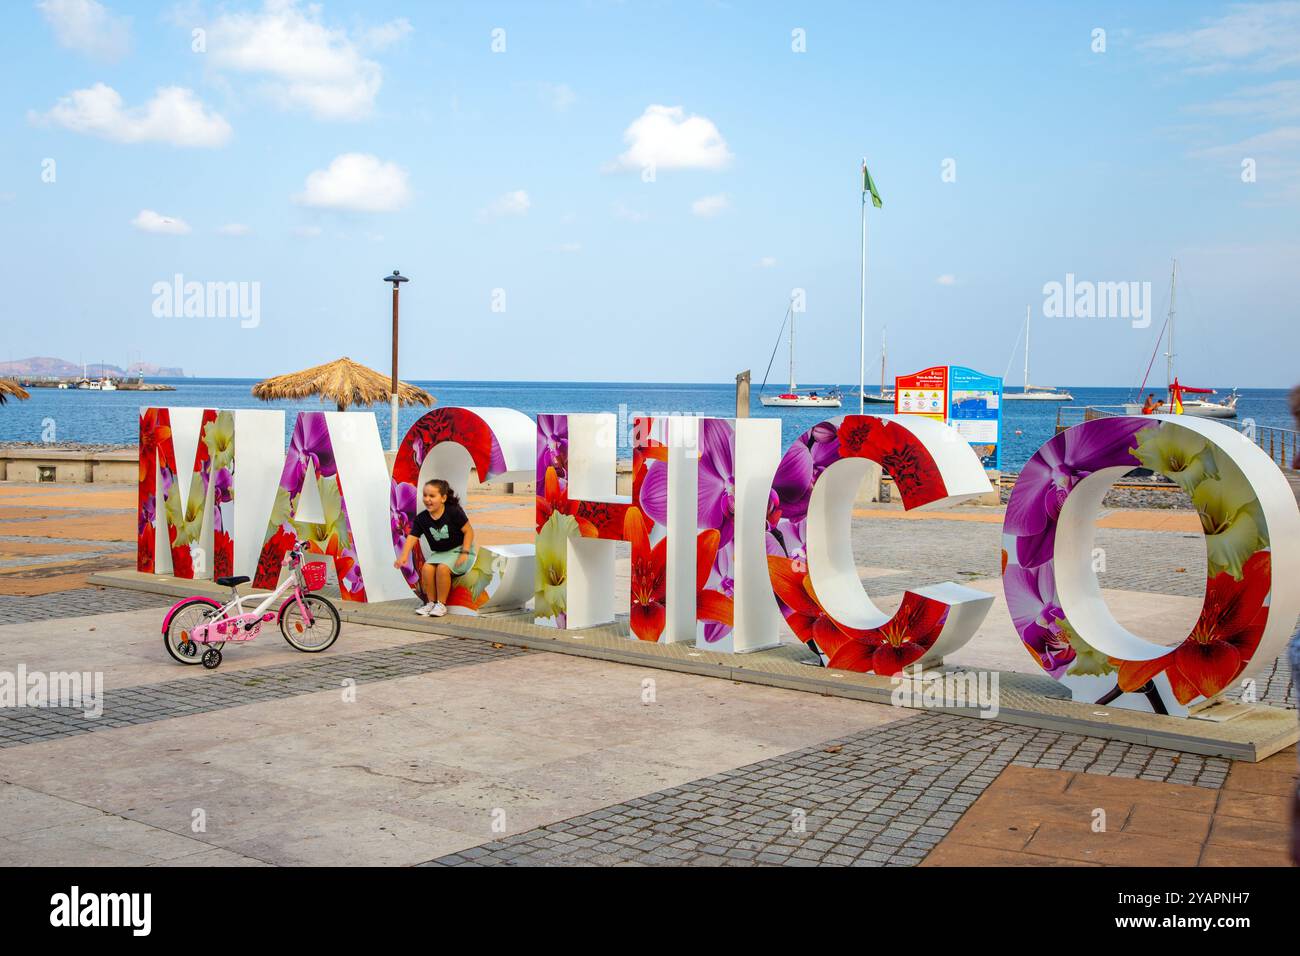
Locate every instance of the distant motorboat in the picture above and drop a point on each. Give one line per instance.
(90, 385)
(1204, 409)
(1196, 407)
(1035, 393)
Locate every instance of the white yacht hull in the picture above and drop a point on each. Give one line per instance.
(1194, 409)
(1037, 397)
(799, 401)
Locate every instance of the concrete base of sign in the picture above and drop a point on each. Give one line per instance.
(1256, 731)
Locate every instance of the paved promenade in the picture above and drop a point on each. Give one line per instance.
(399, 747)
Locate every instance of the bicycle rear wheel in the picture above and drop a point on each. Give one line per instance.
(316, 635)
(186, 618)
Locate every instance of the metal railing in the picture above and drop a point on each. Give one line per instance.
(1281, 444)
(1070, 415)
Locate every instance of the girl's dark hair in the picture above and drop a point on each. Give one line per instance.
(444, 489)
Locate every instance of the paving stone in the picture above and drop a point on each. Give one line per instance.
(132, 706)
(910, 782)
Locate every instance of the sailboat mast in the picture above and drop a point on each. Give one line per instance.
(1027, 311)
(792, 385)
(882, 360)
(1169, 354)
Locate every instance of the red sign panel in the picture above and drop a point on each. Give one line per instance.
(924, 393)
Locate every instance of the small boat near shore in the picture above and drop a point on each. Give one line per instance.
(793, 398)
(886, 394)
(1035, 393)
(832, 399)
(1175, 403)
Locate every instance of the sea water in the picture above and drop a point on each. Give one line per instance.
(112, 418)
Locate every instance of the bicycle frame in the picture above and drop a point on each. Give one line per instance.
(293, 581)
(231, 622)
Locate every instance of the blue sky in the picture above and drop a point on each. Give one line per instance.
(312, 150)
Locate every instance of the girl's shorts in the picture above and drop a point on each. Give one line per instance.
(458, 562)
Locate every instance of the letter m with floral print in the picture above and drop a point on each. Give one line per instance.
(195, 545)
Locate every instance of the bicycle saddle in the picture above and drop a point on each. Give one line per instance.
(233, 582)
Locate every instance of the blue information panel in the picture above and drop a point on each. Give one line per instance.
(975, 410)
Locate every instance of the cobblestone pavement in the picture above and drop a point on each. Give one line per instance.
(1274, 686)
(78, 602)
(884, 796)
(152, 702)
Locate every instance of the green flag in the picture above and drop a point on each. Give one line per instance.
(869, 187)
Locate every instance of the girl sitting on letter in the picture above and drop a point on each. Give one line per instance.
(448, 545)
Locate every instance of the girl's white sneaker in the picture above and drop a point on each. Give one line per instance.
(428, 609)
(437, 610)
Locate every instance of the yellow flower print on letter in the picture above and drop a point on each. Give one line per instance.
(219, 437)
(1181, 455)
(552, 564)
(1232, 521)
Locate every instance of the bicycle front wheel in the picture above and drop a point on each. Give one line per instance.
(314, 635)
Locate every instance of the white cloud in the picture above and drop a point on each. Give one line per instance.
(666, 138)
(571, 247)
(1280, 100)
(1259, 36)
(304, 63)
(88, 27)
(1276, 158)
(627, 213)
(514, 203)
(767, 262)
(234, 229)
(149, 221)
(357, 182)
(947, 279)
(385, 34)
(708, 206)
(558, 96)
(174, 115)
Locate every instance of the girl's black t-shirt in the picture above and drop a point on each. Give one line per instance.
(444, 533)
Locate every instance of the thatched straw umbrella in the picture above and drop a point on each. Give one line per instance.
(342, 382)
(8, 388)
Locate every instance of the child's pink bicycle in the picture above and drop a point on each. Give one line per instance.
(197, 628)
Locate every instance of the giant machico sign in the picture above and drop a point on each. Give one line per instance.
(728, 530)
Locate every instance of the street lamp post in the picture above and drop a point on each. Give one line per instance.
(396, 279)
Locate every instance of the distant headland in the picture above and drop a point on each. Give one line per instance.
(45, 367)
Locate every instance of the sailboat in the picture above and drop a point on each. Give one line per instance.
(792, 398)
(1035, 393)
(1197, 407)
(886, 395)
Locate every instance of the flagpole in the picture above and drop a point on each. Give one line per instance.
(862, 340)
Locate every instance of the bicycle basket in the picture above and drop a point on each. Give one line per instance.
(313, 574)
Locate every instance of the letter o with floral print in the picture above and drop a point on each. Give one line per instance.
(1252, 534)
